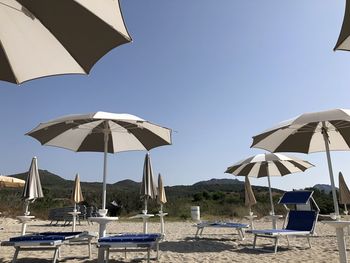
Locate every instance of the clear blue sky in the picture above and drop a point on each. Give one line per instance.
(216, 72)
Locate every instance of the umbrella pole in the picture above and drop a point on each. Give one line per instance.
(104, 189)
(345, 209)
(145, 210)
(271, 200)
(326, 143)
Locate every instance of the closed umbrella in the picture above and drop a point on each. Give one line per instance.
(148, 188)
(32, 188)
(77, 194)
(249, 197)
(77, 197)
(161, 199)
(267, 165)
(6, 181)
(161, 196)
(322, 131)
(41, 38)
(343, 42)
(344, 193)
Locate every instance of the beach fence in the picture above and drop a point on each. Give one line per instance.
(195, 213)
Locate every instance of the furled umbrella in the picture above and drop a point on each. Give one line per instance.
(344, 193)
(322, 131)
(249, 197)
(11, 182)
(267, 165)
(102, 132)
(161, 199)
(161, 196)
(42, 38)
(148, 188)
(77, 197)
(343, 42)
(32, 190)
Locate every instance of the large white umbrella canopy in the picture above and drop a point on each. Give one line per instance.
(267, 165)
(6, 181)
(148, 189)
(102, 132)
(41, 38)
(32, 188)
(343, 42)
(322, 131)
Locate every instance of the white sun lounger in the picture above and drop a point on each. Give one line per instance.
(238, 226)
(49, 241)
(299, 222)
(130, 243)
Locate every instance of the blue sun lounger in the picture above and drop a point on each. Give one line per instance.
(238, 226)
(51, 241)
(298, 222)
(130, 243)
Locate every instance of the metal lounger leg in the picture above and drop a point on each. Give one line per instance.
(288, 241)
(240, 233)
(148, 255)
(14, 259)
(157, 251)
(89, 247)
(56, 255)
(201, 232)
(254, 243)
(276, 245)
(308, 240)
(197, 232)
(106, 252)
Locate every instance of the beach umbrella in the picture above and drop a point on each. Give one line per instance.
(148, 188)
(6, 181)
(343, 42)
(344, 193)
(32, 188)
(77, 194)
(249, 198)
(41, 38)
(102, 132)
(267, 165)
(322, 131)
(77, 197)
(161, 197)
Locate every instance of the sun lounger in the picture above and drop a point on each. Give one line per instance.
(51, 241)
(298, 222)
(130, 243)
(238, 226)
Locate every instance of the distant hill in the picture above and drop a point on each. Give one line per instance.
(324, 187)
(127, 184)
(218, 182)
(47, 178)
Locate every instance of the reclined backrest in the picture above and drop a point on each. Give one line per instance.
(301, 220)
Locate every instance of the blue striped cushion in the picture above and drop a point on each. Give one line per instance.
(134, 238)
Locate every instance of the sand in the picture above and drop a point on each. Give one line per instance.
(180, 245)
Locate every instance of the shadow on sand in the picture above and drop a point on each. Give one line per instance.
(191, 245)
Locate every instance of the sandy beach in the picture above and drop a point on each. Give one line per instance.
(219, 245)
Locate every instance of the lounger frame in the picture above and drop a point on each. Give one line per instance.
(129, 246)
(49, 245)
(239, 227)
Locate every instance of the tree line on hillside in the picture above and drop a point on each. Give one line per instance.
(214, 201)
